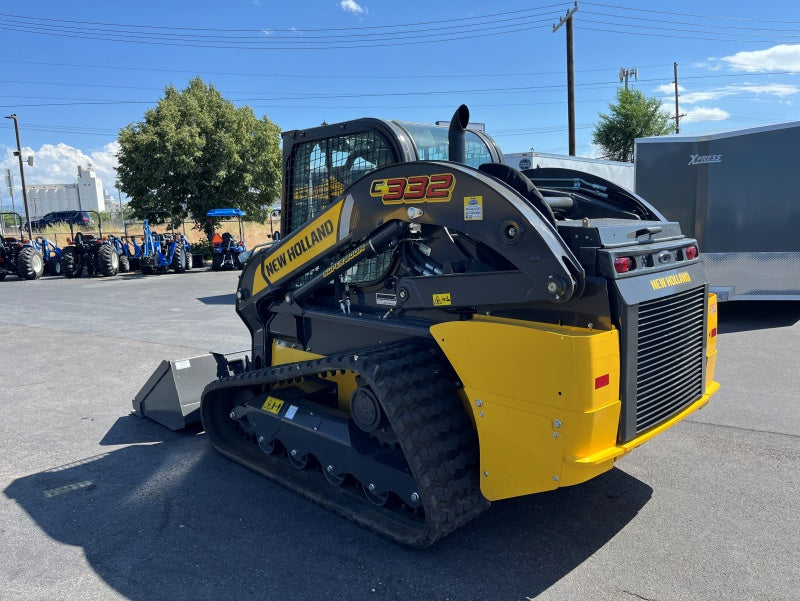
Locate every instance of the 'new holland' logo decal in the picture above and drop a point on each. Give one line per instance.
(303, 246)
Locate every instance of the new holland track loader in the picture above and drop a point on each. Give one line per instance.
(437, 330)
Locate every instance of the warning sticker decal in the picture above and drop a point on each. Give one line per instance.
(272, 405)
(473, 208)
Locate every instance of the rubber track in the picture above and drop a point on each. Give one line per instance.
(416, 389)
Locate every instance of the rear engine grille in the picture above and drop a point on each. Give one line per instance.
(670, 356)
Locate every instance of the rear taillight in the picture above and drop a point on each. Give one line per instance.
(623, 264)
(690, 252)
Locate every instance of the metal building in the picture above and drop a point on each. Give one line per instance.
(86, 194)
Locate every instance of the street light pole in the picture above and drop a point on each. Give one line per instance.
(22, 175)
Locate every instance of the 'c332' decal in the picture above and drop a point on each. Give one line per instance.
(670, 280)
(418, 188)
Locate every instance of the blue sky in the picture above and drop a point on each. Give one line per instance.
(77, 72)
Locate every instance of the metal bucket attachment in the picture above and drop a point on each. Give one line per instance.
(171, 396)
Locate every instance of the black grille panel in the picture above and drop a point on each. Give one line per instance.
(669, 356)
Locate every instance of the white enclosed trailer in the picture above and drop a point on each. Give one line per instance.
(613, 171)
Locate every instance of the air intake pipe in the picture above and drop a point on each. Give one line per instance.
(455, 135)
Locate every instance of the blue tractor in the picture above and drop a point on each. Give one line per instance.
(129, 252)
(51, 255)
(226, 250)
(162, 252)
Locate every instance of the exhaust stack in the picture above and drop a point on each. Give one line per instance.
(455, 135)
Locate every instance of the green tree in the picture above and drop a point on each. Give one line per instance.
(634, 116)
(196, 151)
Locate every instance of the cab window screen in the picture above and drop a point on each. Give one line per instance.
(322, 169)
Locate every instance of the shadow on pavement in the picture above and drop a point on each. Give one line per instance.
(132, 429)
(745, 316)
(172, 519)
(219, 299)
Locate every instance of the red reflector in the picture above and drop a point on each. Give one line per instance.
(600, 381)
(712, 333)
(623, 264)
(691, 252)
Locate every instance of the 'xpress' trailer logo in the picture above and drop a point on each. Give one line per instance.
(702, 159)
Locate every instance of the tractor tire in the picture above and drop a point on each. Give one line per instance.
(53, 266)
(178, 263)
(216, 262)
(107, 261)
(70, 263)
(30, 264)
(124, 264)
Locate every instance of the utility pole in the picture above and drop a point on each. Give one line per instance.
(22, 174)
(625, 73)
(677, 112)
(570, 76)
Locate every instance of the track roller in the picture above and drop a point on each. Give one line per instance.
(281, 420)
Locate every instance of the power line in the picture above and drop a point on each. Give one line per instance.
(193, 71)
(256, 97)
(415, 33)
(681, 37)
(293, 30)
(736, 29)
(300, 45)
(700, 31)
(664, 12)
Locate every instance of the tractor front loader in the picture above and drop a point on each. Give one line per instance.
(437, 330)
(161, 252)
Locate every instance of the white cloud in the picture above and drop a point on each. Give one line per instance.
(695, 97)
(352, 6)
(773, 89)
(669, 88)
(777, 90)
(58, 164)
(783, 57)
(705, 114)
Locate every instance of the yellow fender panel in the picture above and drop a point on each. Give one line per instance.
(545, 400)
(543, 397)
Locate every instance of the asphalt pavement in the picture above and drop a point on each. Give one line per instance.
(98, 504)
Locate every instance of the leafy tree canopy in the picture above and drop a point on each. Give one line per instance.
(634, 116)
(196, 151)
